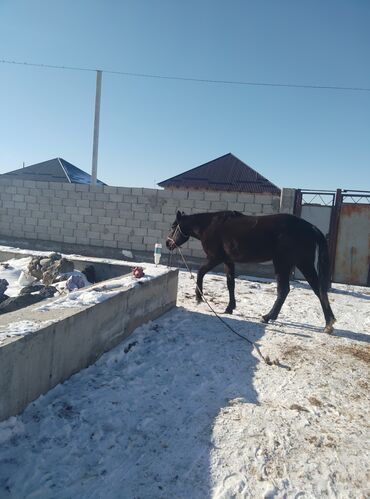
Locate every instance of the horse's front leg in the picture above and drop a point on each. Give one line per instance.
(201, 273)
(230, 279)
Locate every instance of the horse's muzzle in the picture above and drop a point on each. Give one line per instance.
(170, 244)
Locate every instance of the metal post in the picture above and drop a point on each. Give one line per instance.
(94, 169)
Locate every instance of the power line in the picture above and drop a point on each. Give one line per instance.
(183, 78)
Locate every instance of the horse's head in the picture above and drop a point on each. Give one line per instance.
(178, 234)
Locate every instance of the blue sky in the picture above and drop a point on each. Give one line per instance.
(152, 129)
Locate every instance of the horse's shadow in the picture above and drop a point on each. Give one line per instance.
(144, 416)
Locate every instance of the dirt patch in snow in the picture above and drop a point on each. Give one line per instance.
(359, 352)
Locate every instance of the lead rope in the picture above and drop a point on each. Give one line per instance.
(266, 359)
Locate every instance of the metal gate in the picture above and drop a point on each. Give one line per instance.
(352, 238)
(344, 217)
(317, 208)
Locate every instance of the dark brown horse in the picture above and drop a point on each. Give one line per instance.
(230, 236)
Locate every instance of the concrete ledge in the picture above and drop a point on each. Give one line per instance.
(32, 364)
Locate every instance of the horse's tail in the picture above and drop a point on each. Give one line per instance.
(323, 261)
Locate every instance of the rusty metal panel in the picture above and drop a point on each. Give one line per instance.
(352, 257)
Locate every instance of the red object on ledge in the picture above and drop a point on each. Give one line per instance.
(138, 272)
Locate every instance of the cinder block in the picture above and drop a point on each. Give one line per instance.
(107, 189)
(141, 232)
(124, 208)
(218, 205)
(150, 192)
(88, 195)
(110, 206)
(116, 198)
(77, 218)
(121, 238)
(253, 208)
(229, 197)
(149, 242)
(197, 195)
(56, 223)
(69, 239)
(141, 216)
(155, 233)
(31, 222)
(244, 197)
(236, 207)
(110, 244)
(95, 242)
(68, 232)
(97, 212)
(29, 183)
(105, 221)
(118, 221)
(18, 198)
(84, 211)
(23, 190)
(137, 241)
(74, 196)
(65, 187)
(263, 198)
(71, 210)
(130, 199)
(138, 207)
(267, 209)
(212, 196)
(156, 217)
(133, 223)
(83, 203)
(30, 199)
(93, 234)
(20, 205)
(186, 204)
(124, 191)
(107, 237)
(43, 223)
(202, 205)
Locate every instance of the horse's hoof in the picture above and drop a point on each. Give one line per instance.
(265, 319)
(229, 311)
(329, 328)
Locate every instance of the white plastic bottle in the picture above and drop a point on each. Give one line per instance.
(157, 252)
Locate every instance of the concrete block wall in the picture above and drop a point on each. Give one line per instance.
(119, 218)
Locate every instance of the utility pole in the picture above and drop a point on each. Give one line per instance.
(94, 168)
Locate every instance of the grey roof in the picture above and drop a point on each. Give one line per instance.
(227, 173)
(53, 170)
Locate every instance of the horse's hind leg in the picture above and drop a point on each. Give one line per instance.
(230, 279)
(283, 288)
(309, 271)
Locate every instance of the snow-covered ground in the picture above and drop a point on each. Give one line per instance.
(185, 409)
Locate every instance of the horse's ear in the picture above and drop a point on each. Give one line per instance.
(179, 215)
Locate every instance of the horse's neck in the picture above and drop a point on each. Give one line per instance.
(199, 222)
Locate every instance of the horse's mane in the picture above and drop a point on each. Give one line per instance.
(223, 216)
(216, 216)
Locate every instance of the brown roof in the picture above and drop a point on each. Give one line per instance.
(226, 173)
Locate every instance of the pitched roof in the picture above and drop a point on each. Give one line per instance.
(226, 173)
(53, 170)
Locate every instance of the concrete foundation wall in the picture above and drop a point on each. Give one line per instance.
(32, 364)
(111, 218)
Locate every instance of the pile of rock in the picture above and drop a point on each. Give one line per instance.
(3, 287)
(37, 281)
(48, 269)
